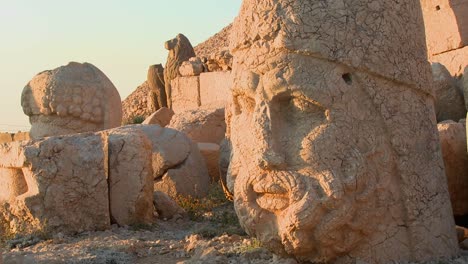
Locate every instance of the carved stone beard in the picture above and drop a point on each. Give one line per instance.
(314, 216)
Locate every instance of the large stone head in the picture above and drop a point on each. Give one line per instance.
(335, 152)
(71, 99)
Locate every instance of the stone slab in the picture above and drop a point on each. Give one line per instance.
(185, 93)
(215, 88)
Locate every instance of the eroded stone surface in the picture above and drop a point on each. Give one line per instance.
(214, 89)
(335, 156)
(178, 167)
(166, 207)
(185, 93)
(140, 103)
(180, 50)
(155, 81)
(20, 136)
(5, 137)
(210, 153)
(453, 143)
(201, 125)
(130, 176)
(71, 99)
(54, 185)
(161, 117)
(189, 178)
(449, 100)
(455, 60)
(446, 24)
(193, 67)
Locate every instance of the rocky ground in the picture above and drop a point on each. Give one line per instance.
(208, 233)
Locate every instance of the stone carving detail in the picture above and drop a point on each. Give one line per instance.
(58, 184)
(71, 99)
(156, 82)
(180, 50)
(335, 154)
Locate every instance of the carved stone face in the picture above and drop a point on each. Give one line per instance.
(310, 155)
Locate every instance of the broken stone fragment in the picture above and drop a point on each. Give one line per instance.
(449, 100)
(452, 138)
(161, 117)
(166, 207)
(58, 184)
(202, 125)
(193, 67)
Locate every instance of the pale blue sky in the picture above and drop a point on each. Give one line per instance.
(121, 37)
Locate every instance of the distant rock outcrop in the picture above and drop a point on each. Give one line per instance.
(139, 104)
(214, 44)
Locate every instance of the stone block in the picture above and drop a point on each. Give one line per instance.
(185, 93)
(215, 88)
(455, 61)
(57, 184)
(446, 24)
(130, 176)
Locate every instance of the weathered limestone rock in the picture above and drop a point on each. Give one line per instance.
(192, 67)
(161, 117)
(447, 33)
(449, 100)
(180, 50)
(202, 125)
(220, 61)
(215, 89)
(87, 181)
(210, 153)
(5, 138)
(185, 93)
(130, 175)
(155, 81)
(335, 156)
(453, 143)
(58, 184)
(166, 207)
(178, 167)
(446, 24)
(20, 136)
(455, 60)
(71, 99)
(140, 103)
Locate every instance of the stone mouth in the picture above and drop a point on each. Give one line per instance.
(271, 196)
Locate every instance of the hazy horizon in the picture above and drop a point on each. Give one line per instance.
(121, 38)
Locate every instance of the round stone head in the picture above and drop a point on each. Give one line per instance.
(332, 128)
(71, 99)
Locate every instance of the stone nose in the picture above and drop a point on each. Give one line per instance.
(268, 154)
